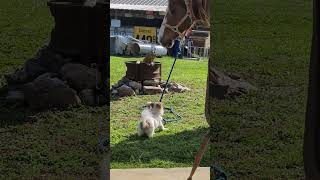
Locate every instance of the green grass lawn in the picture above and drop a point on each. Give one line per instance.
(173, 148)
(57, 144)
(268, 43)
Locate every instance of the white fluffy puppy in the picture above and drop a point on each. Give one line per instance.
(151, 119)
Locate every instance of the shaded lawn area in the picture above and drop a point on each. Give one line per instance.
(173, 148)
(260, 136)
(56, 144)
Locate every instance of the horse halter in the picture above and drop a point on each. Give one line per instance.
(189, 14)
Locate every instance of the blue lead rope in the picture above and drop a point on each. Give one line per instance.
(177, 116)
(176, 53)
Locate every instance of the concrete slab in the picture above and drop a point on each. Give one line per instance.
(202, 173)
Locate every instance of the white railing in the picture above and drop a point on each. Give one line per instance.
(201, 52)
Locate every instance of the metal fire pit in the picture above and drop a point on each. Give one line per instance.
(71, 20)
(77, 27)
(143, 71)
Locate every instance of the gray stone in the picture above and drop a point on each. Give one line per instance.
(56, 97)
(125, 90)
(48, 91)
(151, 83)
(114, 92)
(63, 97)
(162, 83)
(186, 89)
(48, 75)
(33, 69)
(15, 97)
(233, 76)
(137, 91)
(150, 90)
(87, 97)
(18, 77)
(44, 61)
(118, 84)
(125, 80)
(135, 85)
(44, 84)
(50, 60)
(79, 76)
(228, 85)
(27, 73)
(175, 87)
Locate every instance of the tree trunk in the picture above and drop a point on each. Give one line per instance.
(312, 125)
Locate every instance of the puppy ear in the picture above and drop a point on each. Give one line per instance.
(159, 105)
(149, 105)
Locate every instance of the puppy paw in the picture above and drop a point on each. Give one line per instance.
(165, 129)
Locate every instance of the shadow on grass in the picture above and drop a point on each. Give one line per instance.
(114, 98)
(17, 114)
(12, 114)
(159, 151)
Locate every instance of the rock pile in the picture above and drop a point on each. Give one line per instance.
(127, 87)
(228, 84)
(51, 80)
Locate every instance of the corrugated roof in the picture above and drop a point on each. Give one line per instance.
(141, 2)
(142, 5)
